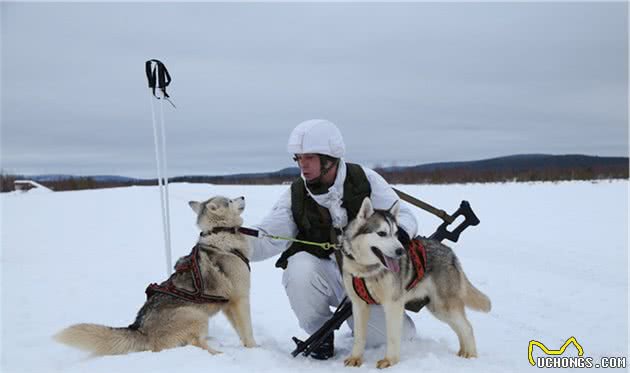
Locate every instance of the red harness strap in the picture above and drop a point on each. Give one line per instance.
(197, 296)
(418, 256)
(358, 283)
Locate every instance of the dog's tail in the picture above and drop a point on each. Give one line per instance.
(103, 340)
(474, 298)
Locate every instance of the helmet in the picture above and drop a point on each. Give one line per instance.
(317, 136)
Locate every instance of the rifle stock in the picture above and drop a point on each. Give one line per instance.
(343, 312)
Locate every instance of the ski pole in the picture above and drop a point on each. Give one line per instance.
(159, 78)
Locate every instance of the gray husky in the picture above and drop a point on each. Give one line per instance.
(373, 255)
(214, 277)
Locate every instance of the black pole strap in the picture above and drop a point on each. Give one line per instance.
(158, 78)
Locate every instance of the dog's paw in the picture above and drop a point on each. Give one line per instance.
(466, 354)
(212, 351)
(251, 344)
(386, 363)
(353, 361)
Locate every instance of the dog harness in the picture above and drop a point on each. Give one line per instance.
(418, 256)
(191, 263)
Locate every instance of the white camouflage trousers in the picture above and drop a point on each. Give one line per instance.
(314, 285)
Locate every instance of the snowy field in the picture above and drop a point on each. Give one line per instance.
(552, 257)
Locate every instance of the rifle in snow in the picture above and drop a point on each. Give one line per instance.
(344, 310)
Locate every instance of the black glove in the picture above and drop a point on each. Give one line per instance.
(403, 237)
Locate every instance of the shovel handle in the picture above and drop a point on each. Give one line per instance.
(425, 206)
(470, 219)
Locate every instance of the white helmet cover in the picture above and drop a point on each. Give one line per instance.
(317, 136)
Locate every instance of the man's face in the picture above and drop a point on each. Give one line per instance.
(309, 165)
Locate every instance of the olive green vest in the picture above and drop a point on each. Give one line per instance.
(314, 222)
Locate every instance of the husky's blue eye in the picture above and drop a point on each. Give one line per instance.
(381, 234)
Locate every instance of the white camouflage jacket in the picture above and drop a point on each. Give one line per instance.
(280, 222)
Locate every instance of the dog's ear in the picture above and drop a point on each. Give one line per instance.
(395, 209)
(366, 209)
(196, 206)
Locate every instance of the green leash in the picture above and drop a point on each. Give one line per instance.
(323, 245)
(257, 233)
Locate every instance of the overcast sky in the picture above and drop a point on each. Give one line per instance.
(406, 83)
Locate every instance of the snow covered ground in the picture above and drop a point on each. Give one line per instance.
(552, 257)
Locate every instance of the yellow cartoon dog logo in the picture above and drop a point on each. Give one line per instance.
(560, 351)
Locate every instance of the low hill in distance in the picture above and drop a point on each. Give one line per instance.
(523, 167)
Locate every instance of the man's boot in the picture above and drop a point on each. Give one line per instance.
(326, 350)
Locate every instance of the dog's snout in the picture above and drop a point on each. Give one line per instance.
(241, 198)
(399, 252)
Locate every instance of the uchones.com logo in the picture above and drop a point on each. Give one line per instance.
(555, 358)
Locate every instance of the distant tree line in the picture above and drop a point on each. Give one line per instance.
(7, 183)
(408, 176)
(465, 175)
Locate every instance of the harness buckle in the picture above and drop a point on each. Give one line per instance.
(329, 246)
